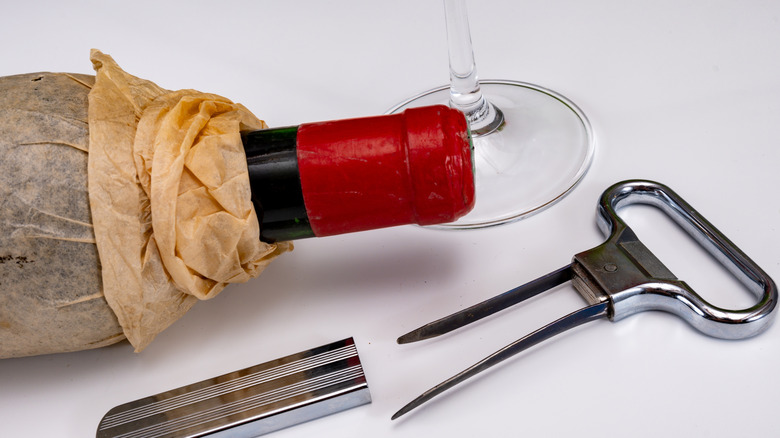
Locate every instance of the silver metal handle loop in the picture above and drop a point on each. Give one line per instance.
(675, 296)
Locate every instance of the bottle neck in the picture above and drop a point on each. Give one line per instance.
(343, 176)
(274, 178)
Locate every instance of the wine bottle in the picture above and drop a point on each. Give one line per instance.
(342, 176)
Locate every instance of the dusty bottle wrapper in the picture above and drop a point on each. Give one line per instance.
(170, 203)
(51, 293)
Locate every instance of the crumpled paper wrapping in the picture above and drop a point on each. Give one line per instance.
(170, 198)
(154, 181)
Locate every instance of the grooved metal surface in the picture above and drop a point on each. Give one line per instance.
(249, 402)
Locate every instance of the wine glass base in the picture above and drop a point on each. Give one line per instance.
(538, 156)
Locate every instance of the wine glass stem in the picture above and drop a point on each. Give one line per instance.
(465, 93)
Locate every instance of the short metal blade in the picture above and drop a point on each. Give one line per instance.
(574, 319)
(488, 307)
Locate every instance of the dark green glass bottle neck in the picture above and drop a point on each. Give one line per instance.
(272, 161)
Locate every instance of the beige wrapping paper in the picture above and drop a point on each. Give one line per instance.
(170, 198)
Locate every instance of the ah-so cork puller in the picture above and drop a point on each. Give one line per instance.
(622, 277)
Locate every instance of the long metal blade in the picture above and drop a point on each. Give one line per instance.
(574, 319)
(488, 307)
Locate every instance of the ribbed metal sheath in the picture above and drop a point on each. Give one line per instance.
(249, 402)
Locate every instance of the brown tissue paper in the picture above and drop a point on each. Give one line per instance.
(170, 205)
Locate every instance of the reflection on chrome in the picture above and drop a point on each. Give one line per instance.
(249, 402)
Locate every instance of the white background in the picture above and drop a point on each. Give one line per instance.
(685, 93)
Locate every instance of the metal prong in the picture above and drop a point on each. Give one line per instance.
(488, 307)
(574, 319)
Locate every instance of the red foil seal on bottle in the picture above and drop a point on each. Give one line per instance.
(374, 172)
(361, 174)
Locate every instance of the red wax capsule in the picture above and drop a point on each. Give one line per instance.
(360, 174)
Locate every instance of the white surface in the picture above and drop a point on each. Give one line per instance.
(685, 93)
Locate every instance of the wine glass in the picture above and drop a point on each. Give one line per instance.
(531, 145)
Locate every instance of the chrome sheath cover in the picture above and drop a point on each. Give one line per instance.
(250, 402)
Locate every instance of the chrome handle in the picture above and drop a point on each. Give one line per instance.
(659, 289)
